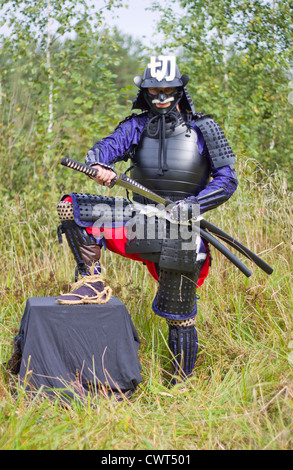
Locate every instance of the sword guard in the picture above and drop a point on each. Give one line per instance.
(113, 182)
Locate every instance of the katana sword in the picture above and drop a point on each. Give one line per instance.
(128, 183)
(125, 182)
(122, 180)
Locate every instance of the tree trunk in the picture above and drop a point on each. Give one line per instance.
(50, 125)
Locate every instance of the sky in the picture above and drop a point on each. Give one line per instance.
(137, 21)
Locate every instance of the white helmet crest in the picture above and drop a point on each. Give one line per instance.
(158, 68)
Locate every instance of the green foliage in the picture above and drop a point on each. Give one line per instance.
(239, 58)
(128, 54)
(58, 90)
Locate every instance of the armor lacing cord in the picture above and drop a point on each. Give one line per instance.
(99, 298)
(181, 323)
(157, 127)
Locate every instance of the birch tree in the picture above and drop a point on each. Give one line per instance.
(56, 52)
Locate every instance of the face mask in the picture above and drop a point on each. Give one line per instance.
(162, 98)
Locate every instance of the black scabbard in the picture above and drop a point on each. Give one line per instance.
(237, 245)
(213, 241)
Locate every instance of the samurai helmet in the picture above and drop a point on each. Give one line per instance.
(162, 74)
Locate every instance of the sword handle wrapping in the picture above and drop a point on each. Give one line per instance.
(87, 170)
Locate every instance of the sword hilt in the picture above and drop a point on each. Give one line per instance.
(87, 170)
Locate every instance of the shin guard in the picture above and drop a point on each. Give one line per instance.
(183, 346)
(83, 246)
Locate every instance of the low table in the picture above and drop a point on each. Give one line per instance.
(72, 346)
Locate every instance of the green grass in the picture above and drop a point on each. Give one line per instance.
(241, 393)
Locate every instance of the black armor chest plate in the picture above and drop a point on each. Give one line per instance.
(188, 171)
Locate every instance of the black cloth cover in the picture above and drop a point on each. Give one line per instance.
(97, 344)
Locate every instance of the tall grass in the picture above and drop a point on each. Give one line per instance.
(241, 393)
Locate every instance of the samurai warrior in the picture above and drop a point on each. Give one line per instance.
(179, 154)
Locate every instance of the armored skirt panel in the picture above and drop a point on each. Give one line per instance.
(188, 171)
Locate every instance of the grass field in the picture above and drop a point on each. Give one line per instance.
(241, 394)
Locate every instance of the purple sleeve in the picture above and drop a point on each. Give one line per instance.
(223, 178)
(112, 148)
(225, 181)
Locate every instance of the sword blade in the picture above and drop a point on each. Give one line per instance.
(128, 183)
(122, 180)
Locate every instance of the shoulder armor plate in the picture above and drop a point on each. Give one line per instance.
(219, 149)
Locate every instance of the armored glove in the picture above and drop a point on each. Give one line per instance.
(184, 210)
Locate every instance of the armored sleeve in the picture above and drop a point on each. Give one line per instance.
(215, 147)
(114, 147)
